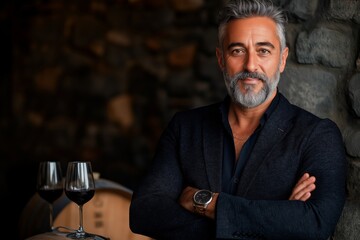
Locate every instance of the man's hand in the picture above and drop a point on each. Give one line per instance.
(303, 188)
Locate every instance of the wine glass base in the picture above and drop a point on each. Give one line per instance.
(85, 236)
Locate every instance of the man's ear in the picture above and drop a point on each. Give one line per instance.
(284, 56)
(220, 58)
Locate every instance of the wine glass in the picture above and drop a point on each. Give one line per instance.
(50, 184)
(79, 188)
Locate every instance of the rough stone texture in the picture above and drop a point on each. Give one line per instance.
(344, 9)
(348, 227)
(354, 93)
(352, 141)
(301, 84)
(292, 32)
(325, 46)
(353, 180)
(357, 16)
(303, 9)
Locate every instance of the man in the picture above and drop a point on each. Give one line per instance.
(245, 168)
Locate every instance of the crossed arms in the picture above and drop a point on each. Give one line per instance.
(302, 191)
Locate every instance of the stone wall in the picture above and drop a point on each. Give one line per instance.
(99, 80)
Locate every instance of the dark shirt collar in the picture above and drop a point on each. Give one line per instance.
(224, 109)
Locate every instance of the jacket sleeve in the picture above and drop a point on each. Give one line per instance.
(323, 156)
(154, 210)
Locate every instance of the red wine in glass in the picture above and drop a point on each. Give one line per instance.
(80, 197)
(50, 184)
(50, 195)
(80, 188)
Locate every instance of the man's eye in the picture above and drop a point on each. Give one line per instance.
(237, 52)
(264, 52)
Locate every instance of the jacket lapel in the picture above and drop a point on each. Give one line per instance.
(274, 130)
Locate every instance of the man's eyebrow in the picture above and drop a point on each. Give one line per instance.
(239, 44)
(268, 44)
(235, 44)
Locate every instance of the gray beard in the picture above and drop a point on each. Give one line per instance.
(250, 99)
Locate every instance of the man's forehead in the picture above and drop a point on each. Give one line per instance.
(259, 29)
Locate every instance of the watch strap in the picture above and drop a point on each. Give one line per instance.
(199, 209)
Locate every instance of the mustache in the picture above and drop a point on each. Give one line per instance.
(245, 75)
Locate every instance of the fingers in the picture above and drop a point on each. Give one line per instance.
(303, 188)
(305, 193)
(303, 178)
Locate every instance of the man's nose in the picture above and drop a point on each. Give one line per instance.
(251, 63)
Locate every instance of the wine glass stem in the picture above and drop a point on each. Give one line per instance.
(81, 228)
(51, 216)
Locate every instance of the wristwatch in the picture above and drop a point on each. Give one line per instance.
(201, 200)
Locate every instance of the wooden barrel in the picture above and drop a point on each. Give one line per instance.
(106, 214)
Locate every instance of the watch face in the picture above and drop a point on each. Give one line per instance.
(202, 197)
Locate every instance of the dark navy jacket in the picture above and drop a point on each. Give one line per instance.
(292, 142)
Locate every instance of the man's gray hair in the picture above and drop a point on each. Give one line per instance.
(240, 9)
